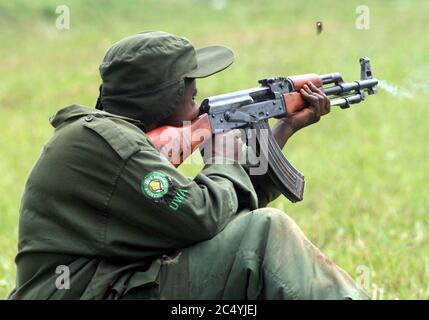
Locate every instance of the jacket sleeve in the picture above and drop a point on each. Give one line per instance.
(154, 207)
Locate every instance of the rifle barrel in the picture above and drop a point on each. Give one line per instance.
(331, 78)
(346, 87)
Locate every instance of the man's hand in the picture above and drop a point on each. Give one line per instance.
(319, 105)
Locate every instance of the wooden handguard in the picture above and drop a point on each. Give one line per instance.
(293, 100)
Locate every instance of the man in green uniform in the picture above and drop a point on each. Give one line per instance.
(105, 216)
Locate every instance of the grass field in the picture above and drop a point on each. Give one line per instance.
(367, 168)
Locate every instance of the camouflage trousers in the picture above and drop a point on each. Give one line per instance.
(261, 254)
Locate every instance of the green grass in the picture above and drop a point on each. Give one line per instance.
(367, 168)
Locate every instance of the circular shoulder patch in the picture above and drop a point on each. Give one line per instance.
(155, 185)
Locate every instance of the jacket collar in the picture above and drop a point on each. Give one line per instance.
(77, 111)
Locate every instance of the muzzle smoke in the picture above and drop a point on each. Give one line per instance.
(397, 91)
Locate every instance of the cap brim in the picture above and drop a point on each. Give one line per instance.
(211, 60)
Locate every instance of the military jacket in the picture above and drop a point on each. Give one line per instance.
(102, 204)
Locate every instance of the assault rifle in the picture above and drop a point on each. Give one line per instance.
(252, 108)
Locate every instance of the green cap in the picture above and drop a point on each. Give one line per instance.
(143, 75)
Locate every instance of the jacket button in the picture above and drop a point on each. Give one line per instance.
(89, 118)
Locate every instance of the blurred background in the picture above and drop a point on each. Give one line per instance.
(366, 202)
